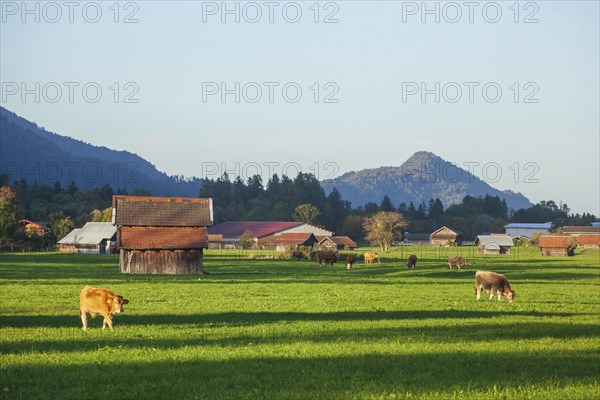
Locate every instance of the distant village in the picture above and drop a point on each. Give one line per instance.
(170, 235)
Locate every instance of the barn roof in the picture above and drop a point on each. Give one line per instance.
(554, 242)
(91, 233)
(148, 238)
(445, 233)
(235, 229)
(300, 239)
(162, 211)
(339, 240)
(581, 229)
(494, 242)
(589, 239)
(38, 224)
(70, 237)
(529, 225)
(347, 241)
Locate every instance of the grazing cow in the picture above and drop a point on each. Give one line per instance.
(99, 301)
(458, 261)
(330, 257)
(494, 284)
(350, 260)
(370, 257)
(412, 261)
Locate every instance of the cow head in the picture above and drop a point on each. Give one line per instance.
(117, 303)
(510, 296)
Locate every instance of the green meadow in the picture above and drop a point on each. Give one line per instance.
(281, 329)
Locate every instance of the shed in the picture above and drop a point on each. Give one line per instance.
(494, 244)
(93, 238)
(551, 245)
(335, 243)
(161, 235)
(444, 236)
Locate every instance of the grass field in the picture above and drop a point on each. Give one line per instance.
(293, 330)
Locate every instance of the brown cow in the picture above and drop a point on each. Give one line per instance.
(494, 284)
(458, 261)
(350, 260)
(99, 301)
(330, 257)
(412, 261)
(370, 257)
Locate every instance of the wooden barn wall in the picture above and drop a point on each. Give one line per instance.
(156, 262)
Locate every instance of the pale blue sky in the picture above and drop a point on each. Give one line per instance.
(370, 55)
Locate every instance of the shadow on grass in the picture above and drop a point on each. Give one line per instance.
(247, 334)
(335, 377)
(233, 318)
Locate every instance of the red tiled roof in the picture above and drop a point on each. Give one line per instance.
(588, 239)
(554, 242)
(146, 238)
(162, 211)
(581, 229)
(235, 229)
(347, 241)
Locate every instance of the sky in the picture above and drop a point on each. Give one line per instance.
(507, 90)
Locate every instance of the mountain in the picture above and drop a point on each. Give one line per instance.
(422, 177)
(43, 157)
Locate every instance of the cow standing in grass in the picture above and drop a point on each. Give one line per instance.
(412, 261)
(350, 260)
(330, 257)
(370, 257)
(495, 284)
(458, 261)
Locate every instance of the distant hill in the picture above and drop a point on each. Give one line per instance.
(422, 177)
(30, 152)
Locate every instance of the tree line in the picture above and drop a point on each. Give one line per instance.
(280, 199)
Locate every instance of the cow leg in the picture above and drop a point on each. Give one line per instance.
(450, 265)
(499, 296)
(491, 294)
(107, 321)
(83, 316)
(478, 292)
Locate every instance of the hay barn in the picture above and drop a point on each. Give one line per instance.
(445, 236)
(161, 235)
(555, 245)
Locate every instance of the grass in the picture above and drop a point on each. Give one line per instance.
(293, 330)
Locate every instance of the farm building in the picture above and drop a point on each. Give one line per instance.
(589, 240)
(551, 245)
(232, 230)
(445, 236)
(93, 238)
(527, 229)
(215, 242)
(285, 241)
(34, 228)
(417, 238)
(494, 244)
(335, 243)
(161, 235)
